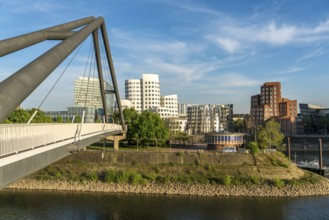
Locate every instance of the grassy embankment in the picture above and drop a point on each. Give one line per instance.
(263, 169)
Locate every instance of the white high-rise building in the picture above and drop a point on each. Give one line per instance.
(144, 94)
(168, 107)
(133, 93)
(151, 91)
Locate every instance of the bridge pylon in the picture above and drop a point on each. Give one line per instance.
(28, 78)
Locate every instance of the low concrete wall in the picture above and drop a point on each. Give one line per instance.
(184, 157)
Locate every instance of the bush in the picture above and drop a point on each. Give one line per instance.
(256, 180)
(227, 180)
(162, 179)
(109, 176)
(253, 147)
(278, 182)
(151, 176)
(197, 162)
(278, 163)
(93, 176)
(136, 178)
(122, 177)
(156, 169)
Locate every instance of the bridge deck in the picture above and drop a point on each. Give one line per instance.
(15, 138)
(24, 149)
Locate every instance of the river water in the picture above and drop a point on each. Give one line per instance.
(77, 205)
(74, 205)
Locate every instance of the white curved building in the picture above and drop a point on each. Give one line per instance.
(151, 91)
(143, 93)
(133, 93)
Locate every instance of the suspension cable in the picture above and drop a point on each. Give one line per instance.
(61, 75)
(90, 68)
(90, 55)
(51, 89)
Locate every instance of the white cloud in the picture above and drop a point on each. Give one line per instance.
(238, 80)
(270, 33)
(311, 54)
(191, 7)
(276, 35)
(229, 45)
(292, 69)
(322, 27)
(234, 34)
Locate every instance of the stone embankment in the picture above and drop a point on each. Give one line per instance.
(320, 188)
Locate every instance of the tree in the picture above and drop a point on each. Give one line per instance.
(77, 119)
(240, 125)
(269, 135)
(40, 117)
(59, 119)
(23, 116)
(18, 116)
(253, 147)
(150, 129)
(182, 136)
(146, 129)
(130, 116)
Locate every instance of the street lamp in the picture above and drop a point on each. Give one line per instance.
(289, 148)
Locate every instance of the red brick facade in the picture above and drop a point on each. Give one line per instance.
(270, 104)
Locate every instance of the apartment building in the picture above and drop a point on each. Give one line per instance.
(144, 94)
(270, 104)
(209, 118)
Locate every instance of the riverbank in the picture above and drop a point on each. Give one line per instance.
(177, 173)
(319, 189)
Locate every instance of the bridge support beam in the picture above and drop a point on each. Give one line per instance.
(28, 78)
(116, 139)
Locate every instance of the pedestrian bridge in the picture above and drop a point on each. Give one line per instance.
(26, 148)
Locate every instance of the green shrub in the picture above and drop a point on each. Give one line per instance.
(136, 178)
(156, 169)
(253, 147)
(280, 154)
(162, 179)
(256, 180)
(109, 176)
(227, 180)
(122, 177)
(237, 181)
(151, 176)
(197, 162)
(94, 176)
(278, 182)
(278, 163)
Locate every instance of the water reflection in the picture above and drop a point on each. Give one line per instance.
(59, 205)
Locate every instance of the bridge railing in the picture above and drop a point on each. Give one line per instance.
(19, 137)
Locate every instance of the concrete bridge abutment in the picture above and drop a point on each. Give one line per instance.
(116, 139)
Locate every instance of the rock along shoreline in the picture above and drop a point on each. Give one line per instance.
(319, 189)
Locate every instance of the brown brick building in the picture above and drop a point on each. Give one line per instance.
(270, 104)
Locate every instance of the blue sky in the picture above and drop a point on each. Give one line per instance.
(216, 52)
